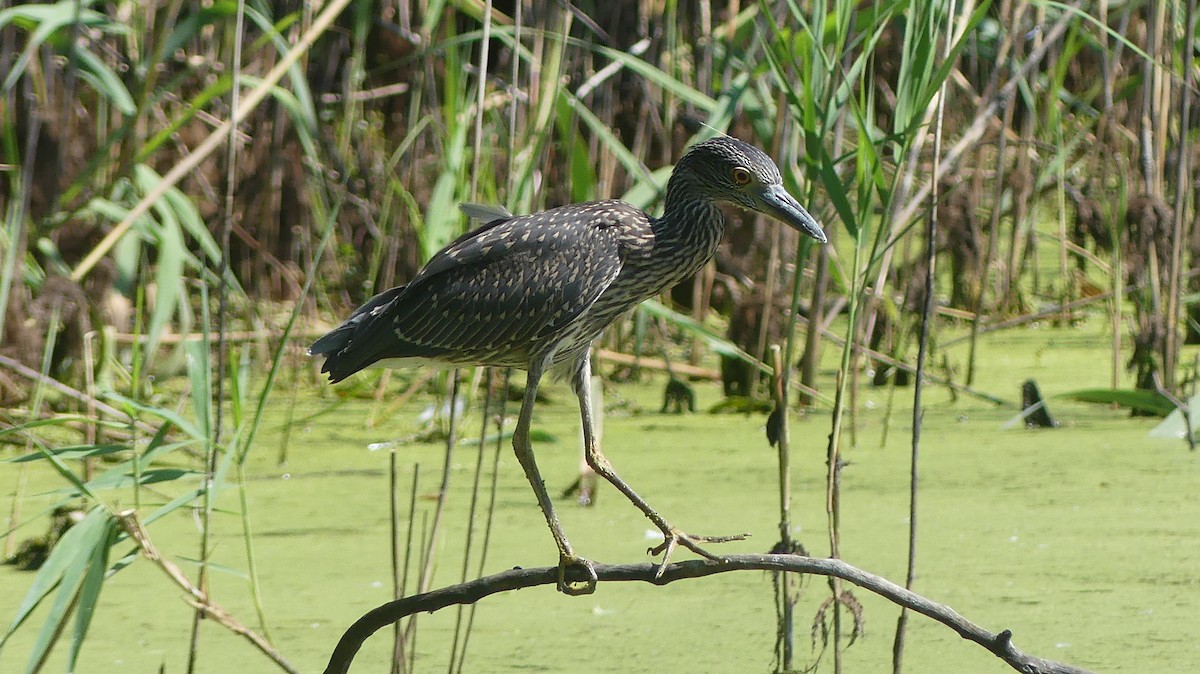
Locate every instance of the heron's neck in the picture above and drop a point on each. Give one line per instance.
(689, 231)
(690, 215)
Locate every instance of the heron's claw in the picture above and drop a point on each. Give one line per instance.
(673, 538)
(573, 588)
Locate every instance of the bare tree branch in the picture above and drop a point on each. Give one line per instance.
(999, 644)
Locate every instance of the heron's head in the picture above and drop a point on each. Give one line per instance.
(726, 169)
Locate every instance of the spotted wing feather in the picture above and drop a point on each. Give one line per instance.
(494, 296)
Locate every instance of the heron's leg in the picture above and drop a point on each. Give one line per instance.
(523, 448)
(672, 537)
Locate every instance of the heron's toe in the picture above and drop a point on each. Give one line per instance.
(576, 576)
(673, 538)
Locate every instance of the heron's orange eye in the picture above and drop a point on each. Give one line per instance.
(740, 176)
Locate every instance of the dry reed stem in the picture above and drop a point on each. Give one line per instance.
(70, 392)
(196, 597)
(986, 114)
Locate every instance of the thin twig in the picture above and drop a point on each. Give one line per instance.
(1056, 310)
(998, 643)
(786, 599)
(901, 365)
(196, 597)
(472, 509)
(218, 401)
(425, 578)
(927, 318)
(74, 393)
(207, 496)
(1181, 232)
(491, 510)
(656, 364)
(394, 513)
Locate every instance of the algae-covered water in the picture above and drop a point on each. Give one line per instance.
(1084, 540)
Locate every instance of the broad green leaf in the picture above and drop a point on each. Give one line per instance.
(43, 21)
(95, 541)
(120, 479)
(65, 471)
(198, 102)
(189, 218)
(31, 15)
(238, 378)
(89, 591)
(1136, 399)
(661, 79)
(185, 499)
(69, 452)
(60, 420)
(441, 217)
(123, 477)
(156, 452)
(433, 16)
(106, 82)
(304, 114)
(715, 342)
(168, 274)
(946, 65)
(648, 190)
(199, 374)
(442, 222)
(161, 412)
(73, 549)
(300, 110)
(1112, 34)
(631, 163)
(524, 164)
(583, 173)
(834, 187)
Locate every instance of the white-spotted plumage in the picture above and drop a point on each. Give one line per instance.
(534, 291)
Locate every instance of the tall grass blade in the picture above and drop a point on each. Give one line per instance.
(46, 21)
(104, 81)
(199, 375)
(63, 570)
(89, 591)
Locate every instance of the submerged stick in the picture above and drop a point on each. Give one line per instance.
(998, 643)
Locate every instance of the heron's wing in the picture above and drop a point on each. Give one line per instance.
(516, 281)
(506, 288)
(368, 335)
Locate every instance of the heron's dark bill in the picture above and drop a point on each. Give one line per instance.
(782, 206)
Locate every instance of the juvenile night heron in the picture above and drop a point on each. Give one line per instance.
(534, 291)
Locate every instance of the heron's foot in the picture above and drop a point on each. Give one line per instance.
(576, 588)
(673, 538)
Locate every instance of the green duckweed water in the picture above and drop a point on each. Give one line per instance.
(1084, 541)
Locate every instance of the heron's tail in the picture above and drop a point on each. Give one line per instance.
(361, 340)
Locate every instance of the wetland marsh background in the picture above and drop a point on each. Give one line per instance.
(1081, 539)
(164, 269)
